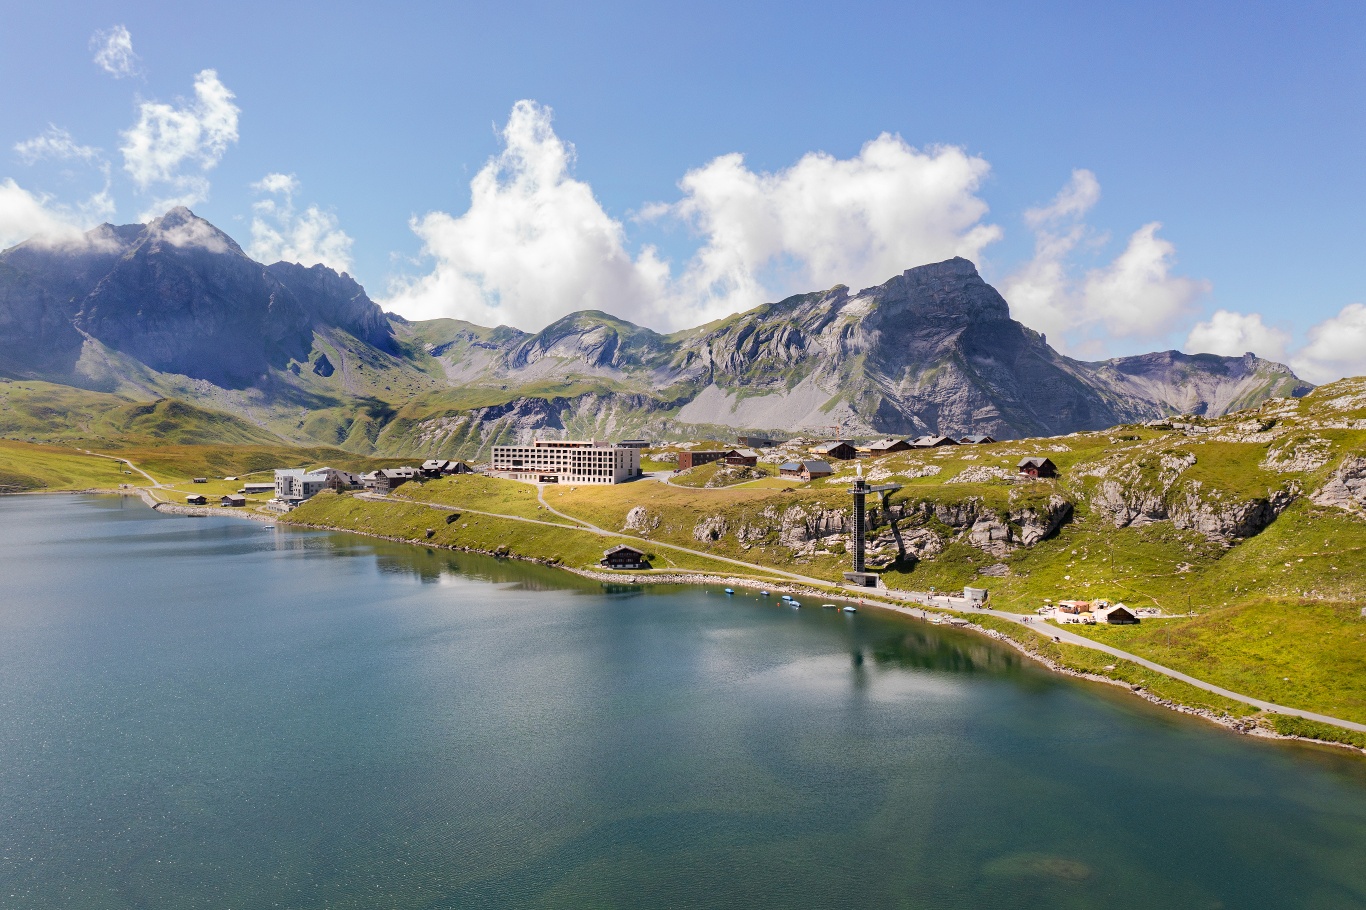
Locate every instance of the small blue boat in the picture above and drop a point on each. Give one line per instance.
(794, 605)
(730, 590)
(787, 597)
(763, 593)
(850, 610)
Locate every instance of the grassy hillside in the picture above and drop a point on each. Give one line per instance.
(34, 411)
(28, 468)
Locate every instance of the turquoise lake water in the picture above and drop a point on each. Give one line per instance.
(208, 713)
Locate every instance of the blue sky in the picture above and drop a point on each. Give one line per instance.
(1044, 140)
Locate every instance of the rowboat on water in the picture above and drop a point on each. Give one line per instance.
(730, 590)
(850, 610)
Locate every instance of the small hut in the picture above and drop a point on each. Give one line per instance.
(234, 500)
(1038, 467)
(1116, 615)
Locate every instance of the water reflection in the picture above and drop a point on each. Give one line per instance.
(206, 713)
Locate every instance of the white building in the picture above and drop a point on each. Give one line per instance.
(566, 461)
(294, 485)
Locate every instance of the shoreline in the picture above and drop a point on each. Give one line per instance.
(1245, 727)
(1225, 721)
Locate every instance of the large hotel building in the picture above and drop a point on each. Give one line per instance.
(567, 461)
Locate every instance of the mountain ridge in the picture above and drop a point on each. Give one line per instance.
(175, 308)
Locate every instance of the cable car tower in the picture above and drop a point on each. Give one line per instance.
(860, 490)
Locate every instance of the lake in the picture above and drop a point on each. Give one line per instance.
(212, 713)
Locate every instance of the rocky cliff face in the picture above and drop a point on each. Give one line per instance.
(176, 295)
(932, 350)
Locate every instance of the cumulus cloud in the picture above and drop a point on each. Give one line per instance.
(535, 243)
(1234, 334)
(26, 215)
(168, 138)
(308, 237)
(113, 49)
(1335, 347)
(55, 143)
(1135, 296)
(824, 221)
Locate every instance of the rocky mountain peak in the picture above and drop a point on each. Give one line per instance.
(183, 229)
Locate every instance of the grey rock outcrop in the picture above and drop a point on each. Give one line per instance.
(640, 520)
(1346, 489)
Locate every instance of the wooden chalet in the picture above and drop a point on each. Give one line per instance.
(234, 500)
(933, 442)
(742, 457)
(386, 480)
(976, 440)
(623, 556)
(1038, 467)
(807, 469)
(197, 499)
(840, 448)
(341, 480)
(885, 447)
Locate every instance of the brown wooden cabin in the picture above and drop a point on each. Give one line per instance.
(747, 458)
(623, 556)
(840, 448)
(1038, 467)
(808, 469)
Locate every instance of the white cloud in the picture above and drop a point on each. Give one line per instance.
(25, 215)
(1072, 202)
(535, 243)
(825, 220)
(189, 232)
(167, 138)
(277, 183)
(58, 144)
(1234, 334)
(279, 232)
(1335, 348)
(1135, 296)
(113, 49)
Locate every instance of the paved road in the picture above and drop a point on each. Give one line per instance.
(1070, 637)
(155, 483)
(956, 604)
